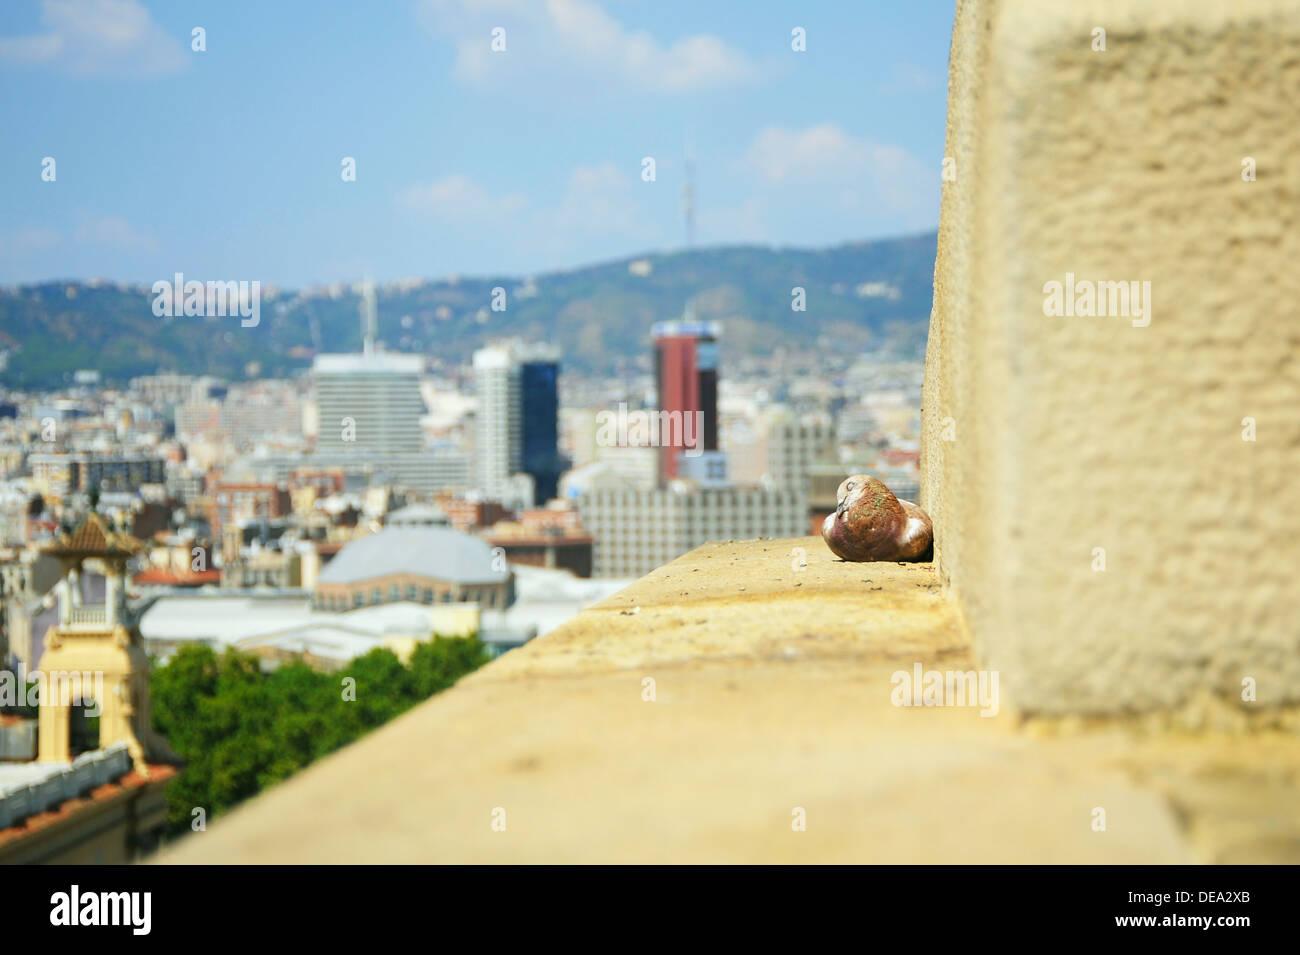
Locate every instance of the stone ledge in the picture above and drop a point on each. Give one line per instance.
(768, 699)
(744, 602)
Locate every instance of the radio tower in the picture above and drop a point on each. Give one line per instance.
(369, 316)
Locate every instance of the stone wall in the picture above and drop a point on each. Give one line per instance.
(1059, 444)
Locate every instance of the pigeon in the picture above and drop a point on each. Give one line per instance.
(869, 523)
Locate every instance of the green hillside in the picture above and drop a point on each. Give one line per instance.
(865, 294)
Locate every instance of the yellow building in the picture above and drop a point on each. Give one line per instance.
(105, 804)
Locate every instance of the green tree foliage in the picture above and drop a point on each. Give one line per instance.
(240, 729)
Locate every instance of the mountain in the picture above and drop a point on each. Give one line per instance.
(858, 295)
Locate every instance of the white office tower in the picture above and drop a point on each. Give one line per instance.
(499, 420)
(369, 409)
(369, 403)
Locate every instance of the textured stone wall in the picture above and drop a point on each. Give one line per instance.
(1054, 442)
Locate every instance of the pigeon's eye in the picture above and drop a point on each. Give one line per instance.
(849, 486)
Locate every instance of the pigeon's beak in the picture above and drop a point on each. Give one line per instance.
(841, 507)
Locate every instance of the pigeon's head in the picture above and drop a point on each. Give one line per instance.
(852, 490)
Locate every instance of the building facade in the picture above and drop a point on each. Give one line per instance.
(59, 473)
(369, 408)
(540, 414)
(368, 404)
(498, 444)
(233, 504)
(517, 423)
(794, 446)
(686, 375)
(637, 531)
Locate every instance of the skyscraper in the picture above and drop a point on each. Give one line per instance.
(369, 408)
(686, 375)
(539, 391)
(369, 404)
(498, 447)
(518, 409)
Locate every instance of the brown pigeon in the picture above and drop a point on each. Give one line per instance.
(869, 523)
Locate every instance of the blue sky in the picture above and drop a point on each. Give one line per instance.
(225, 164)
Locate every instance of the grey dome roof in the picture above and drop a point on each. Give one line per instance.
(438, 552)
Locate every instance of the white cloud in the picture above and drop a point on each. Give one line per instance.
(808, 185)
(108, 230)
(97, 37)
(825, 160)
(820, 183)
(598, 207)
(803, 155)
(600, 200)
(458, 198)
(579, 39)
(115, 232)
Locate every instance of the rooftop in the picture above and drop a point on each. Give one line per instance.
(544, 599)
(416, 515)
(93, 538)
(686, 328)
(104, 793)
(438, 552)
(362, 364)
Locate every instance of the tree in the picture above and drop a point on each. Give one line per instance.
(240, 730)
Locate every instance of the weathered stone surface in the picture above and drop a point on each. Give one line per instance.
(768, 698)
(1047, 437)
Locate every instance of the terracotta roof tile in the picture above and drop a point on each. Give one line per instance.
(68, 808)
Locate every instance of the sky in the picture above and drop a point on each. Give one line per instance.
(228, 163)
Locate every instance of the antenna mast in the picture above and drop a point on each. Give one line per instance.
(369, 316)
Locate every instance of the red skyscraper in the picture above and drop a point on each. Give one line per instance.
(686, 374)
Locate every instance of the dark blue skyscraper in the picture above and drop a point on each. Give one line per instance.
(539, 392)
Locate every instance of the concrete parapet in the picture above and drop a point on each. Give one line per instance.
(1113, 493)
